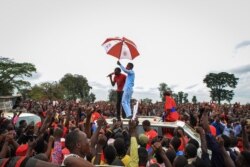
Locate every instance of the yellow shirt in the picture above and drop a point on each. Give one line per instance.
(133, 153)
(126, 160)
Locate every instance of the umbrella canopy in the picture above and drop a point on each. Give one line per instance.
(121, 48)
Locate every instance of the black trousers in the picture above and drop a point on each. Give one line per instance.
(119, 107)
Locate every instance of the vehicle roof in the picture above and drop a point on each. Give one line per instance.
(9, 97)
(157, 122)
(10, 114)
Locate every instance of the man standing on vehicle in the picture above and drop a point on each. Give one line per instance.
(128, 88)
(119, 79)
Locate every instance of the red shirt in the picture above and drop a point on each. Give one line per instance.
(169, 103)
(150, 134)
(95, 116)
(120, 81)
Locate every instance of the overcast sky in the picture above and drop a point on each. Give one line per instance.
(179, 41)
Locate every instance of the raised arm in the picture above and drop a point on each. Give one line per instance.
(203, 139)
(246, 146)
(227, 159)
(111, 81)
(163, 155)
(133, 144)
(94, 137)
(124, 69)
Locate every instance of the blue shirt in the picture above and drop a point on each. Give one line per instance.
(237, 129)
(129, 83)
(219, 127)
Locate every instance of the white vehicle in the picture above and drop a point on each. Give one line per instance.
(28, 117)
(158, 125)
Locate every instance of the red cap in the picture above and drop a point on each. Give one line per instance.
(22, 150)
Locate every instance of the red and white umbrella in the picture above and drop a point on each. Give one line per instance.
(121, 48)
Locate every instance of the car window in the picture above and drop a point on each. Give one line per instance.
(29, 119)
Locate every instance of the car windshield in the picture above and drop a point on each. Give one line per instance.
(29, 119)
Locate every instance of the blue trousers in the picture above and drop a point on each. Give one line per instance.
(126, 97)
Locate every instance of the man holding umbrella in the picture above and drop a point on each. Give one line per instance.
(128, 88)
(124, 48)
(119, 80)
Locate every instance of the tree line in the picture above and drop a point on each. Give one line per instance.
(13, 74)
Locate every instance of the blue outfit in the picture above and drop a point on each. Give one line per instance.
(219, 127)
(237, 129)
(127, 90)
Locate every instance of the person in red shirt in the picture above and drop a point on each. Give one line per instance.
(150, 133)
(170, 108)
(119, 80)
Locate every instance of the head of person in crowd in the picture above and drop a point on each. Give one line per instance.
(41, 146)
(23, 124)
(42, 157)
(3, 133)
(120, 147)
(180, 161)
(227, 141)
(58, 133)
(146, 125)
(176, 133)
(190, 151)
(217, 119)
(77, 143)
(143, 156)
(175, 143)
(143, 140)
(158, 158)
(194, 142)
(243, 159)
(110, 154)
(30, 129)
(171, 154)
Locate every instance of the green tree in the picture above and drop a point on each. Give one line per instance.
(52, 90)
(47, 90)
(36, 93)
(75, 86)
(194, 100)
(176, 97)
(180, 97)
(185, 98)
(146, 101)
(12, 75)
(163, 87)
(112, 95)
(219, 84)
(91, 98)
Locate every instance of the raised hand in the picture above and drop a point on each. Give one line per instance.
(102, 140)
(158, 146)
(101, 122)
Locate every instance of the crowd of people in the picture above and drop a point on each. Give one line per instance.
(73, 133)
(77, 134)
